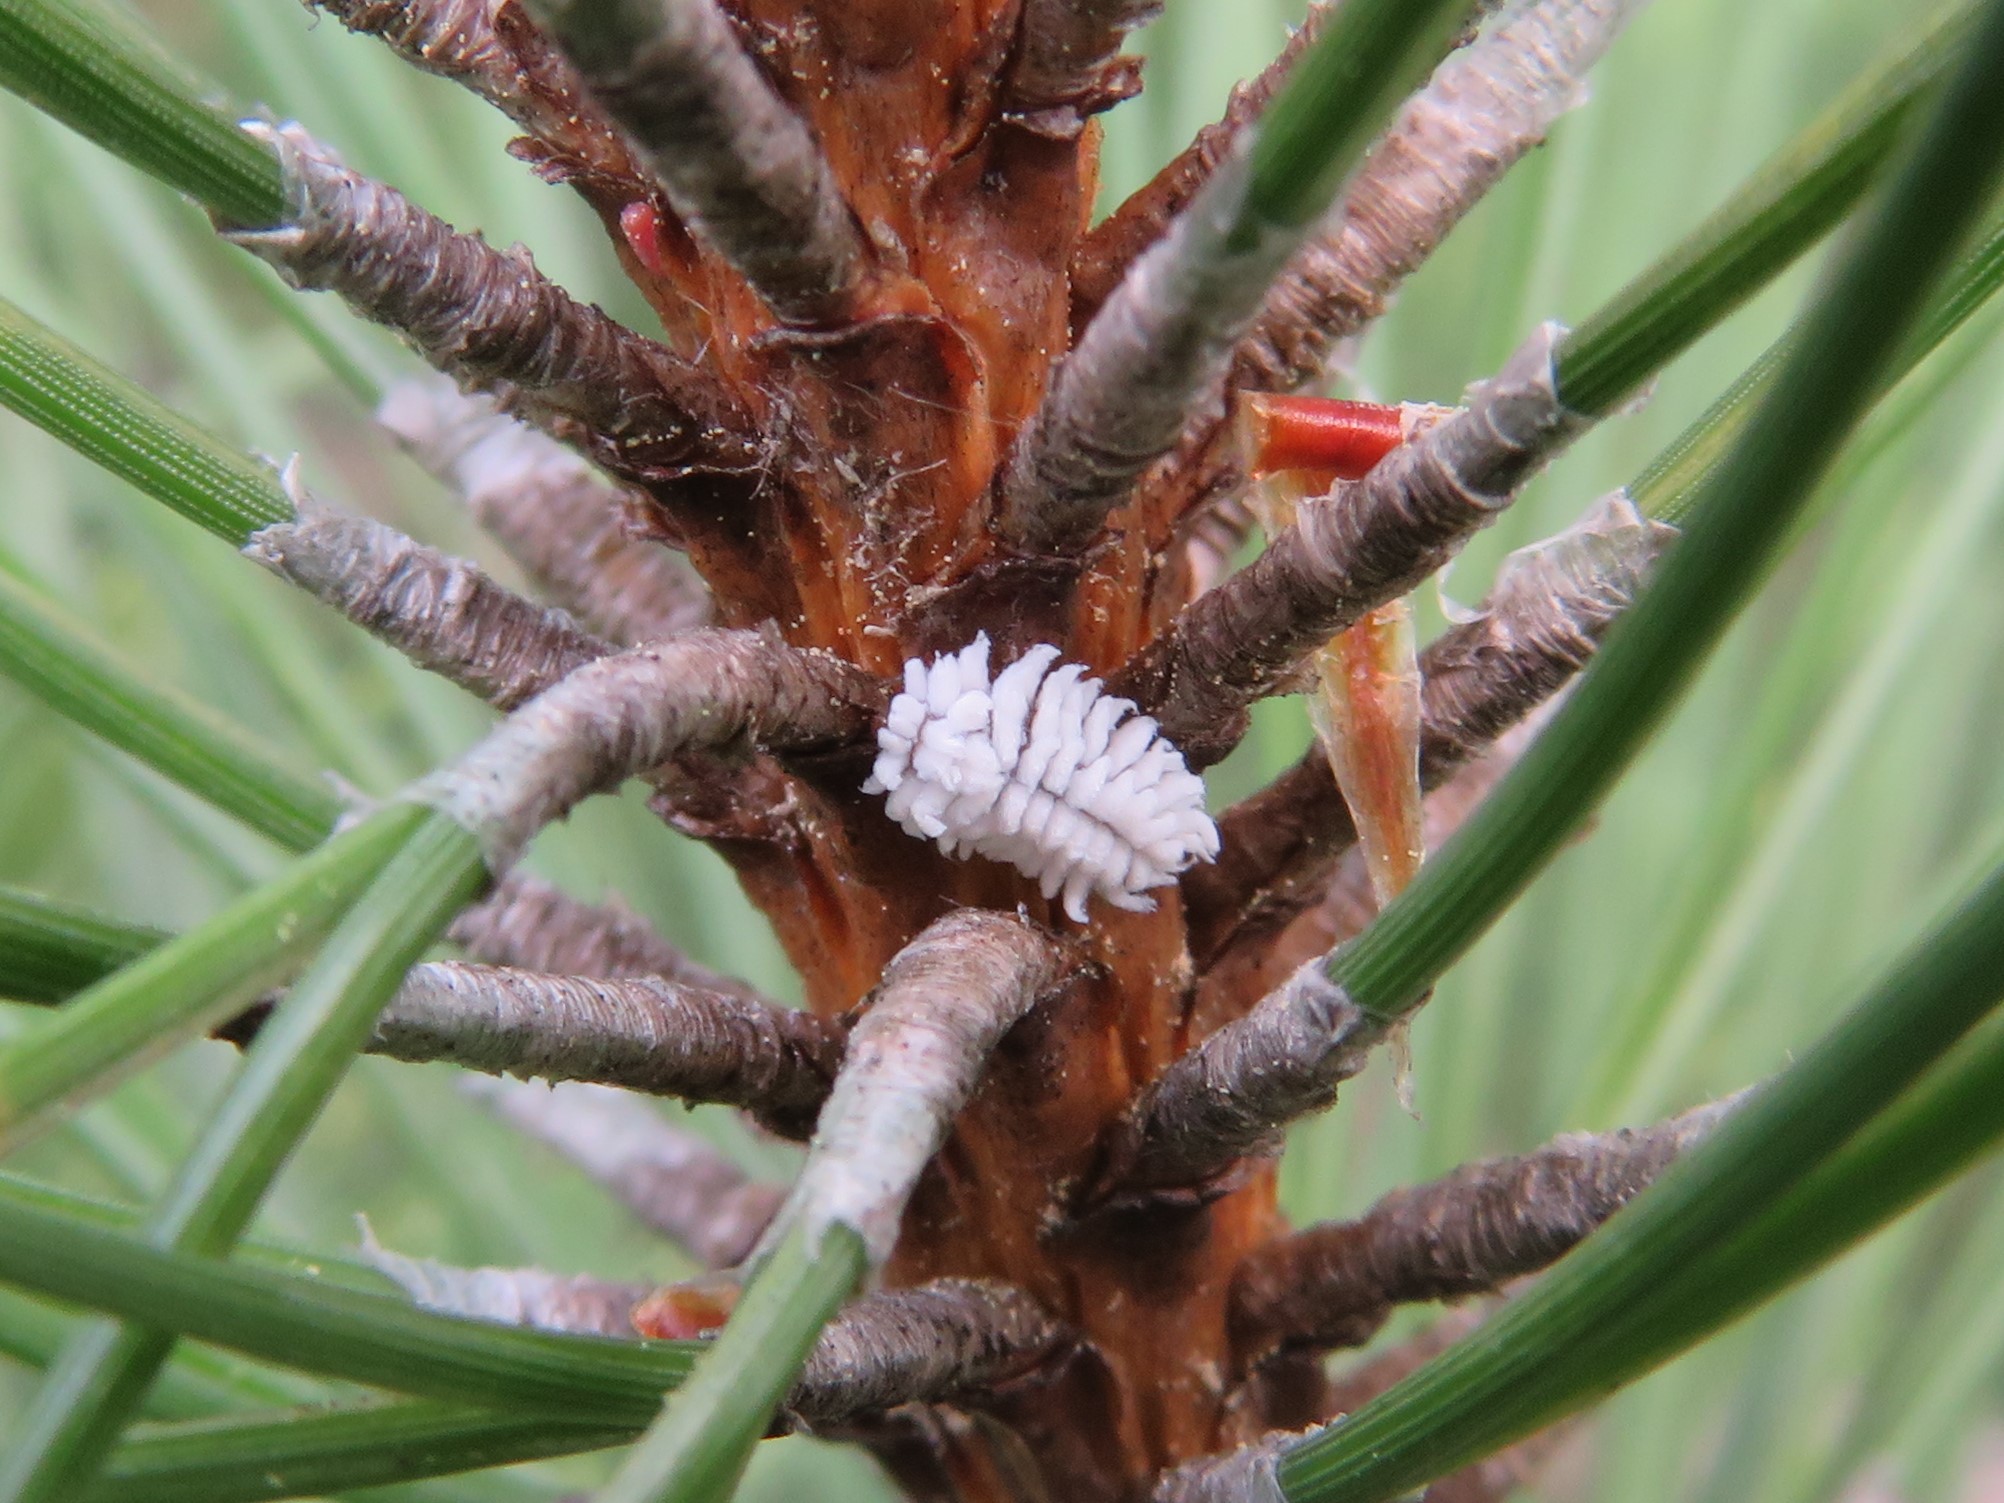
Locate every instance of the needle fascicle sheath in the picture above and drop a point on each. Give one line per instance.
(527, 923)
(913, 1059)
(1485, 106)
(1350, 550)
(740, 167)
(555, 515)
(640, 1032)
(446, 615)
(620, 715)
(1470, 1232)
(670, 1177)
(492, 322)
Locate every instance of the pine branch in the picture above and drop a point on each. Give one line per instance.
(668, 1176)
(1120, 398)
(554, 515)
(1068, 65)
(1467, 1233)
(1349, 551)
(740, 167)
(492, 322)
(1540, 623)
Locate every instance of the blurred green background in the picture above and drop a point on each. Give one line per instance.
(1829, 783)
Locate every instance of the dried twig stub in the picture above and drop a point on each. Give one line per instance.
(929, 1344)
(562, 523)
(492, 322)
(913, 1060)
(668, 1176)
(529, 924)
(1233, 1094)
(1068, 65)
(623, 714)
(443, 613)
(739, 166)
(1350, 551)
(1540, 623)
(662, 1037)
(1467, 1233)
(1120, 398)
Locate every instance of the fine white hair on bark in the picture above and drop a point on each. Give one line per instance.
(1038, 767)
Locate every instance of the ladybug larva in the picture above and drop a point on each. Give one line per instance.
(1039, 768)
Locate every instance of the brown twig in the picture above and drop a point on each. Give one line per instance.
(559, 520)
(1538, 626)
(1349, 551)
(1467, 1233)
(668, 1176)
(740, 167)
(1068, 65)
(492, 322)
(444, 614)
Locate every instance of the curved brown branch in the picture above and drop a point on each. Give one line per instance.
(492, 322)
(1467, 1233)
(1068, 65)
(740, 167)
(1348, 552)
(557, 518)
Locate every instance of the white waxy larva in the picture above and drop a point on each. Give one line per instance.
(1035, 766)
